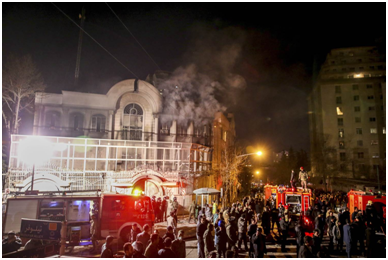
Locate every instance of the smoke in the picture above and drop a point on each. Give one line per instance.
(209, 81)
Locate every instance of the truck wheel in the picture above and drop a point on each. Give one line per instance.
(124, 234)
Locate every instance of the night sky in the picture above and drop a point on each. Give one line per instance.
(275, 47)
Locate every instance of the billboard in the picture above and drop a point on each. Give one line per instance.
(40, 229)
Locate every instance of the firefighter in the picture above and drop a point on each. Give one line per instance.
(153, 203)
(164, 208)
(303, 177)
(174, 207)
(157, 209)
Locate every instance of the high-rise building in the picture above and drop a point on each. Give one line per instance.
(347, 114)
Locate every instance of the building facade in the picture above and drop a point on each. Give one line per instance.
(347, 114)
(116, 142)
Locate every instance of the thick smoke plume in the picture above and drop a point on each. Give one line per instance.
(209, 82)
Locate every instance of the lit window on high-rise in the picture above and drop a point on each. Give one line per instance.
(339, 111)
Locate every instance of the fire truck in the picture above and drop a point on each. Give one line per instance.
(360, 200)
(114, 212)
(296, 199)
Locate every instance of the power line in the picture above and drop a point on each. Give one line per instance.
(134, 37)
(95, 41)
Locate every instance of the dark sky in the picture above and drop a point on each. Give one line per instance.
(273, 46)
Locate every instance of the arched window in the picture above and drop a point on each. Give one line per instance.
(133, 122)
(98, 123)
(53, 119)
(76, 121)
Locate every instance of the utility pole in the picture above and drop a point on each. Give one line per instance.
(81, 33)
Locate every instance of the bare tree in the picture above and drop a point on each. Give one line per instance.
(21, 80)
(229, 169)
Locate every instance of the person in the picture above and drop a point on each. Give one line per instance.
(169, 234)
(348, 239)
(166, 252)
(200, 215)
(33, 243)
(281, 211)
(346, 215)
(337, 236)
(231, 233)
(208, 239)
(178, 246)
(303, 177)
(293, 179)
(134, 232)
(201, 228)
(242, 233)
(340, 223)
(251, 231)
(300, 233)
(106, 249)
(284, 224)
(174, 206)
(144, 236)
(359, 234)
(370, 212)
(128, 250)
(11, 243)
(320, 224)
(354, 214)
(331, 227)
(275, 219)
(157, 210)
(94, 232)
(215, 217)
(316, 248)
(220, 239)
(208, 213)
(305, 250)
(259, 244)
(164, 208)
(138, 249)
(160, 243)
(215, 207)
(266, 221)
(192, 208)
(152, 249)
(370, 240)
(171, 221)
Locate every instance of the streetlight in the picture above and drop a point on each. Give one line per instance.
(259, 153)
(257, 172)
(34, 150)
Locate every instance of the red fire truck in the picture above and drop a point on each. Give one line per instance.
(297, 200)
(115, 213)
(360, 200)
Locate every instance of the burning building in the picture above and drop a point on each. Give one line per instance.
(133, 138)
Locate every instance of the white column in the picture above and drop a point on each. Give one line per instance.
(156, 129)
(110, 124)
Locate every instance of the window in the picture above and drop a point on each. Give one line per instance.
(369, 86)
(341, 145)
(98, 123)
(338, 100)
(352, 69)
(339, 111)
(371, 108)
(337, 89)
(53, 119)
(340, 121)
(133, 122)
(384, 130)
(356, 98)
(359, 131)
(372, 119)
(371, 97)
(357, 119)
(360, 155)
(341, 133)
(360, 143)
(357, 109)
(343, 156)
(375, 155)
(374, 142)
(76, 121)
(355, 87)
(372, 67)
(373, 130)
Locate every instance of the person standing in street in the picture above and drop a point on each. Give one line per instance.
(300, 233)
(192, 211)
(209, 239)
(166, 252)
(231, 233)
(348, 239)
(144, 236)
(305, 250)
(174, 208)
(201, 228)
(164, 208)
(171, 221)
(316, 248)
(178, 246)
(215, 206)
(152, 249)
(370, 240)
(284, 225)
(266, 221)
(259, 244)
(106, 249)
(220, 239)
(157, 209)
